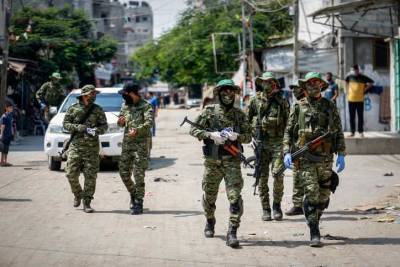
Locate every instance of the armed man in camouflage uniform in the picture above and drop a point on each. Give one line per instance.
(270, 111)
(137, 117)
(315, 116)
(220, 164)
(298, 192)
(50, 94)
(83, 153)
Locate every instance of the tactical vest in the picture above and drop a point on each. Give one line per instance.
(315, 120)
(218, 122)
(271, 117)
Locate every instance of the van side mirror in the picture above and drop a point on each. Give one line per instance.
(53, 110)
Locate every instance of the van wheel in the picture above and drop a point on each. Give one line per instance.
(54, 165)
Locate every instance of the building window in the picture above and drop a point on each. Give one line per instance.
(144, 18)
(145, 4)
(145, 30)
(137, 19)
(133, 3)
(381, 54)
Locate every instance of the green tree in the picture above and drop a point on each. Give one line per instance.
(184, 55)
(59, 40)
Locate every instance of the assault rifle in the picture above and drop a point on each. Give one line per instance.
(228, 146)
(313, 144)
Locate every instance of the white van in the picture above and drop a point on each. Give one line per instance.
(110, 142)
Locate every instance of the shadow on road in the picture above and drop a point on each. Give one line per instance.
(297, 243)
(177, 213)
(2, 199)
(330, 218)
(161, 162)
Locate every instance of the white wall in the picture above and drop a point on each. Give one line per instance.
(308, 30)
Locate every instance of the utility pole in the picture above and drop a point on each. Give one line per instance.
(295, 39)
(5, 12)
(244, 53)
(252, 52)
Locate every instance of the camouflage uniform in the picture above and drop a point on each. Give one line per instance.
(51, 94)
(272, 113)
(226, 167)
(134, 156)
(314, 117)
(83, 153)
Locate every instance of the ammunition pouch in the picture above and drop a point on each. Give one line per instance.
(334, 182)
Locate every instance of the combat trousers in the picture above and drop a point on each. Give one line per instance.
(271, 155)
(134, 159)
(317, 197)
(86, 161)
(298, 191)
(229, 170)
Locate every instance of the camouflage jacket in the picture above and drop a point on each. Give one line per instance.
(216, 118)
(140, 117)
(52, 94)
(271, 114)
(311, 118)
(97, 119)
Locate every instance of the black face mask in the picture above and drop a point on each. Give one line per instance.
(128, 99)
(224, 103)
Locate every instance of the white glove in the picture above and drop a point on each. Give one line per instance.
(91, 131)
(217, 138)
(233, 136)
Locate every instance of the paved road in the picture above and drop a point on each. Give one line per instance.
(39, 226)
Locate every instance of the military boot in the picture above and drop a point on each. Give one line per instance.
(86, 206)
(276, 210)
(209, 229)
(132, 201)
(266, 215)
(294, 211)
(77, 201)
(315, 236)
(137, 206)
(231, 239)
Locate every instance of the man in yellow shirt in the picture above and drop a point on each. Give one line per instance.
(357, 85)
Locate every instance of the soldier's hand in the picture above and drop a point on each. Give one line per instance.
(287, 160)
(132, 133)
(217, 138)
(82, 128)
(121, 121)
(91, 131)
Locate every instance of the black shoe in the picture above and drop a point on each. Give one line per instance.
(294, 211)
(132, 201)
(315, 236)
(209, 229)
(266, 215)
(77, 201)
(231, 239)
(86, 206)
(137, 207)
(276, 210)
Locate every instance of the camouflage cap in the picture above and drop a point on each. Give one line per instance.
(88, 89)
(313, 75)
(226, 83)
(56, 75)
(266, 76)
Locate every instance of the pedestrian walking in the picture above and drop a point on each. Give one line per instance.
(85, 120)
(50, 94)
(155, 104)
(136, 117)
(298, 191)
(6, 133)
(218, 163)
(313, 117)
(357, 85)
(270, 111)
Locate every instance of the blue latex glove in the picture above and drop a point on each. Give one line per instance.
(225, 132)
(42, 105)
(287, 160)
(340, 164)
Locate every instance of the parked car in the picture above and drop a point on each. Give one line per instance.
(193, 102)
(110, 142)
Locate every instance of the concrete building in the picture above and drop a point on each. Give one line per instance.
(138, 25)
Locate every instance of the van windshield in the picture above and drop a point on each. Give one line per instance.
(109, 102)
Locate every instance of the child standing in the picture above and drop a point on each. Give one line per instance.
(6, 133)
